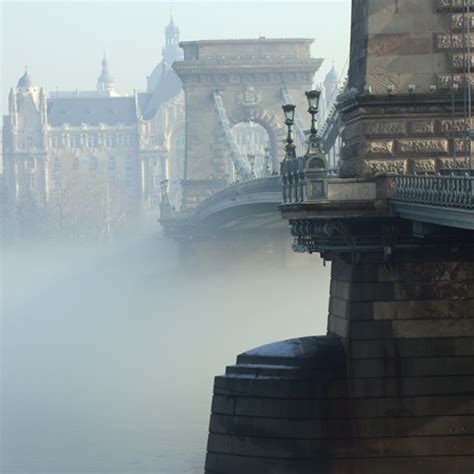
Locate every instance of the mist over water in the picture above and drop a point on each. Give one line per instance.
(108, 353)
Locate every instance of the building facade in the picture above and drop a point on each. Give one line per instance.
(92, 162)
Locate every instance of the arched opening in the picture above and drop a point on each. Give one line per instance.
(255, 145)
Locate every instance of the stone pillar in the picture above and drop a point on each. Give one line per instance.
(407, 326)
(405, 75)
(388, 390)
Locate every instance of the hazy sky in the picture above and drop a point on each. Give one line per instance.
(62, 42)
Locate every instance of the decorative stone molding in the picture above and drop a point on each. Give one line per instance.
(449, 163)
(423, 166)
(446, 126)
(443, 41)
(386, 128)
(458, 61)
(379, 147)
(374, 167)
(421, 127)
(458, 22)
(445, 81)
(457, 5)
(423, 146)
(461, 146)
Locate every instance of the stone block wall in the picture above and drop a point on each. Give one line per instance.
(390, 389)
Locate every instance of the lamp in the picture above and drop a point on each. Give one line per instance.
(267, 151)
(313, 106)
(313, 100)
(289, 110)
(251, 159)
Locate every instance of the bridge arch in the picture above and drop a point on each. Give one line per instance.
(231, 81)
(272, 125)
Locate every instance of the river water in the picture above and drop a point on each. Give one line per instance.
(108, 353)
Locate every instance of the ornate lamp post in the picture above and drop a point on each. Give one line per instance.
(251, 159)
(315, 163)
(313, 106)
(289, 111)
(165, 201)
(287, 165)
(267, 160)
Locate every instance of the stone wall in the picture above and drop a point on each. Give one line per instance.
(406, 114)
(388, 390)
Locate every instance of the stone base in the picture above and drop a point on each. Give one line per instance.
(389, 390)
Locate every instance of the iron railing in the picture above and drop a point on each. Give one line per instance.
(443, 191)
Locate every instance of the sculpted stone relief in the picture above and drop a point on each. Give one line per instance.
(456, 4)
(459, 61)
(423, 166)
(380, 147)
(458, 42)
(445, 80)
(386, 127)
(421, 127)
(449, 125)
(449, 163)
(423, 146)
(458, 21)
(385, 166)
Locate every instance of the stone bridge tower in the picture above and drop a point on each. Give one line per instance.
(250, 76)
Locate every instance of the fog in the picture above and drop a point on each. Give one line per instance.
(109, 352)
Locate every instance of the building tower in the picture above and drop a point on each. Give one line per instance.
(105, 82)
(170, 53)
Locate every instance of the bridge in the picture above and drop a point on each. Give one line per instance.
(389, 388)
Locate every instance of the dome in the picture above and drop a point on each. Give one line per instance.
(25, 81)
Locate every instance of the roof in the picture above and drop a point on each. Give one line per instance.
(25, 81)
(262, 39)
(92, 111)
(169, 86)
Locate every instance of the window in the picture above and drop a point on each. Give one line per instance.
(153, 162)
(32, 181)
(75, 141)
(27, 142)
(55, 141)
(128, 164)
(127, 140)
(156, 181)
(111, 163)
(153, 140)
(92, 163)
(92, 141)
(110, 141)
(75, 163)
(31, 164)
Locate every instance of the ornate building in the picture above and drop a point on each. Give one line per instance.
(93, 161)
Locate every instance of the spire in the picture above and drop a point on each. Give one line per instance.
(105, 82)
